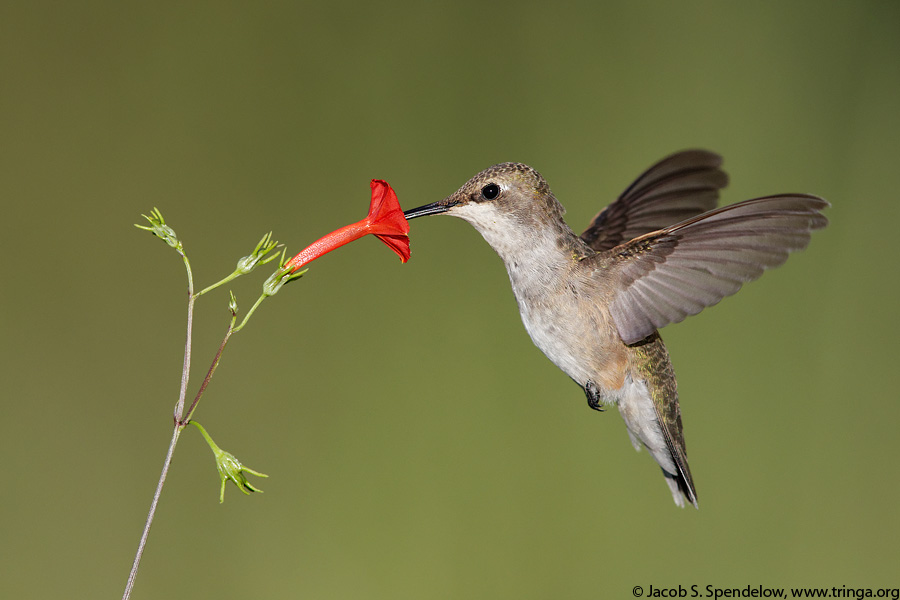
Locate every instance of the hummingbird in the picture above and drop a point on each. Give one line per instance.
(594, 303)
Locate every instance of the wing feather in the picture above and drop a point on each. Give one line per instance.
(676, 188)
(667, 275)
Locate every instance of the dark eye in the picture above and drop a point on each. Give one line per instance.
(490, 191)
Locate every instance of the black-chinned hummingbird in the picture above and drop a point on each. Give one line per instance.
(662, 251)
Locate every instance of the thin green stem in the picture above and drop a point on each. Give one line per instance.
(231, 277)
(190, 275)
(250, 312)
(212, 445)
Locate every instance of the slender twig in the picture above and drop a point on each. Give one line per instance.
(209, 374)
(176, 432)
(180, 424)
(159, 486)
(186, 368)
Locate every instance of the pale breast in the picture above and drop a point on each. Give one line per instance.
(576, 334)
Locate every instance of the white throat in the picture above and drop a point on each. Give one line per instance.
(516, 242)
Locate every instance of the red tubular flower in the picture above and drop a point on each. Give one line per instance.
(385, 221)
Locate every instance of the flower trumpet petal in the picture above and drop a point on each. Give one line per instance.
(385, 221)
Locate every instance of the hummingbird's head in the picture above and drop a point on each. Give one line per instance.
(504, 198)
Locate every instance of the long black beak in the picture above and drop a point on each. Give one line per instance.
(435, 208)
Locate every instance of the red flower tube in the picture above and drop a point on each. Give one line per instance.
(385, 221)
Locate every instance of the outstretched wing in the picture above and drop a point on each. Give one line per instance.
(676, 188)
(667, 275)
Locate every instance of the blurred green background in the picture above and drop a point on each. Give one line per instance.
(418, 445)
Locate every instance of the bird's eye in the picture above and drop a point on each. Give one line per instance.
(490, 191)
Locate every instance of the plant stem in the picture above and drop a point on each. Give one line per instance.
(250, 312)
(209, 374)
(180, 424)
(159, 486)
(186, 367)
(212, 445)
(176, 431)
(231, 277)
